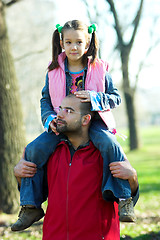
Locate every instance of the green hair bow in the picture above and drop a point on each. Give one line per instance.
(92, 28)
(59, 28)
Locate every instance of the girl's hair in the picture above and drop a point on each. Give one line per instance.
(56, 47)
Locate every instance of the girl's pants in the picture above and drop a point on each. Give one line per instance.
(32, 190)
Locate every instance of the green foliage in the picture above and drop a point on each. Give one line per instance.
(146, 161)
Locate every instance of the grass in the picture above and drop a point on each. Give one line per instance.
(146, 161)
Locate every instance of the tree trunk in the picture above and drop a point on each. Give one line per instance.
(11, 125)
(133, 133)
(129, 100)
(125, 49)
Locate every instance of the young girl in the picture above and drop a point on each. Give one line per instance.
(77, 70)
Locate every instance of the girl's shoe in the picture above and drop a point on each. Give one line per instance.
(126, 210)
(27, 217)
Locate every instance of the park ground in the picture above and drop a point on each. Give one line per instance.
(146, 161)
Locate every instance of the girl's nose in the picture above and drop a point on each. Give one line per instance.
(74, 46)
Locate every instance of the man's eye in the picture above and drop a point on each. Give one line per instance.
(68, 110)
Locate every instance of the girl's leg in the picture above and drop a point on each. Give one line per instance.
(112, 188)
(38, 151)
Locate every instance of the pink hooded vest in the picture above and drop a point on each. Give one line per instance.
(95, 80)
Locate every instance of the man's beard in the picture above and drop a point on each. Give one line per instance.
(63, 127)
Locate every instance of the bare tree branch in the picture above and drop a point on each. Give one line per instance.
(9, 2)
(136, 23)
(117, 25)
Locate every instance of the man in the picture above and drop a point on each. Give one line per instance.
(76, 209)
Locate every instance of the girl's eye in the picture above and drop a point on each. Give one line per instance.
(79, 42)
(68, 42)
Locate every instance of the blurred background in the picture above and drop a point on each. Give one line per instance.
(129, 40)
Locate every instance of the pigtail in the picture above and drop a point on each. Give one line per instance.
(93, 48)
(56, 50)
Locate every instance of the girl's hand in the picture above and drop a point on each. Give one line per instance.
(84, 95)
(53, 126)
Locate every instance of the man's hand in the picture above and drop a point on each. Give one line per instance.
(122, 170)
(125, 171)
(25, 169)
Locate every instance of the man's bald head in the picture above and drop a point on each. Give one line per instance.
(85, 107)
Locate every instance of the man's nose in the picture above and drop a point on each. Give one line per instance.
(60, 114)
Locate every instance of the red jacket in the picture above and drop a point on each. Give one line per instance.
(76, 210)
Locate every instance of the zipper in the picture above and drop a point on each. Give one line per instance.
(67, 200)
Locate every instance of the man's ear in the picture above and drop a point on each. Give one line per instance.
(61, 43)
(86, 119)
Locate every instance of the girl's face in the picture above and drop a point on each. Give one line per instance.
(75, 44)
